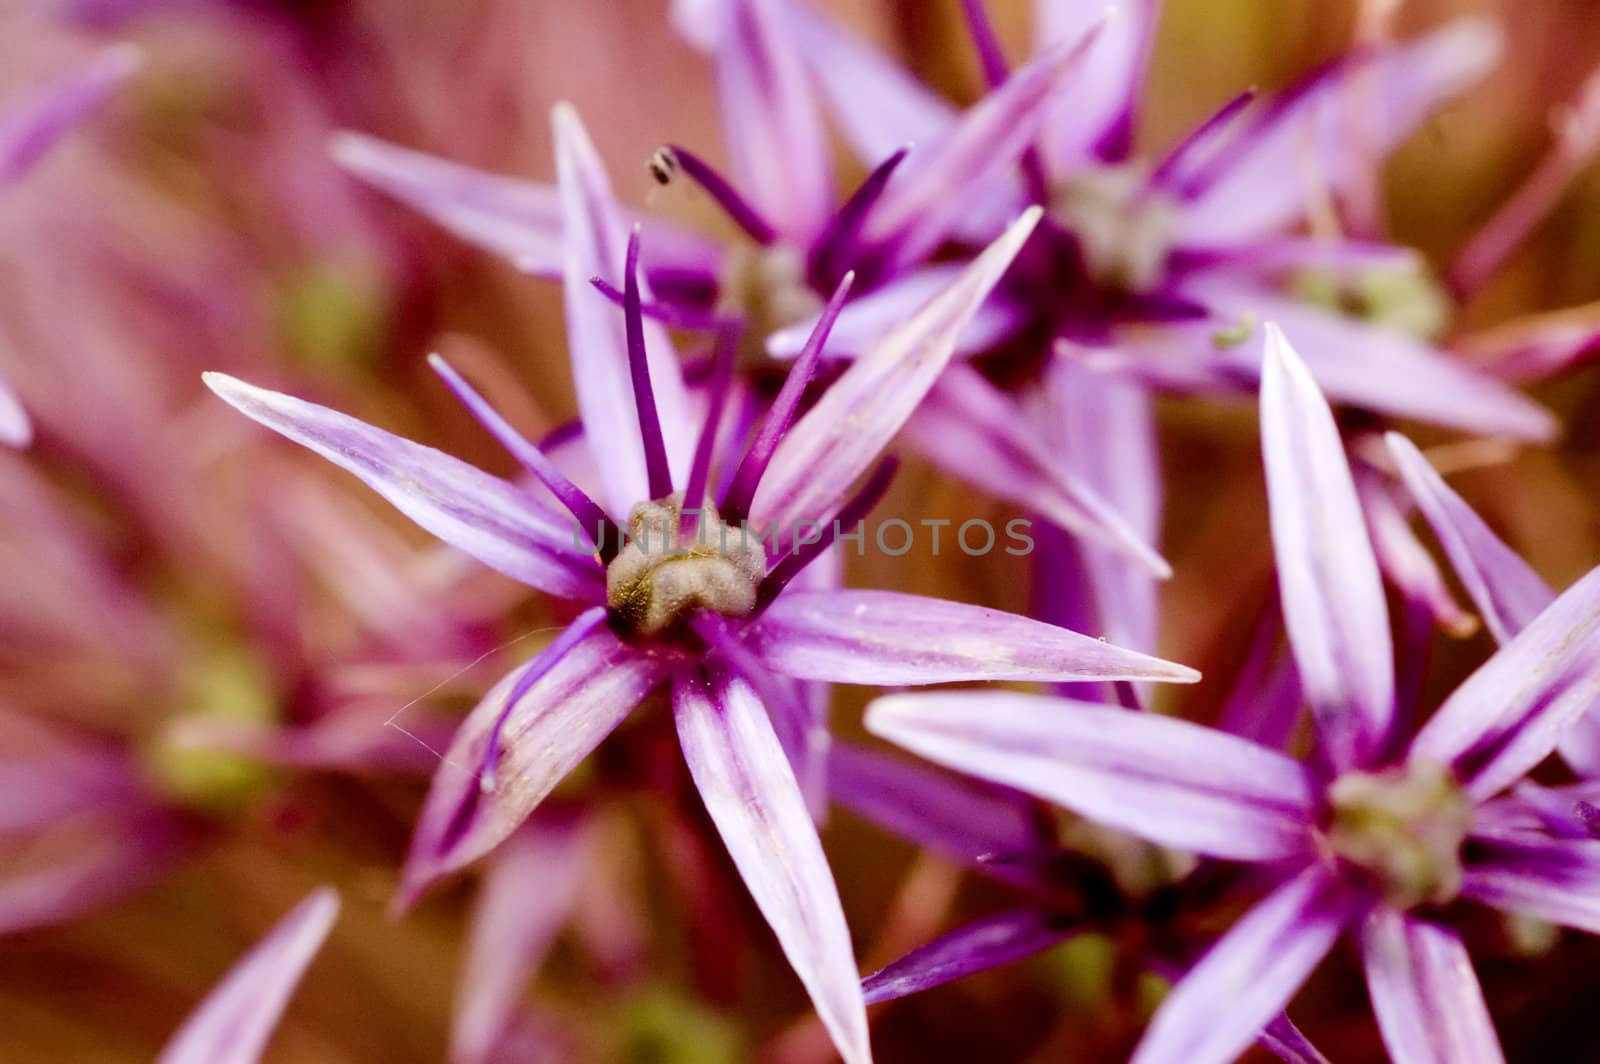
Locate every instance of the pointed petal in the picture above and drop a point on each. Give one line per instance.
(960, 817)
(770, 120)
(991, 942)
(512, 928)
(15, 428)
(945, 182)
(867, 319)
(1169, 781)
(879, 106)
(1327, 574)
(235, 1021)
(845, 432)
(110, 858)
(484, 516)
(1509, 715)
(1381, 369)
(1263, 188)
(886, 638)
(752, 797)
(974, 431)
(555, 725)
(1428, 1001)
(30, 128)
(595, 240)
(1405, 562)
(44, 788)
(1506, 590)
(1249, 975)
(1289, 1043)
(1096, 121)
(1553, 879)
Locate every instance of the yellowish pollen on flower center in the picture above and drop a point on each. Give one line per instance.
(659, 580)
(1404, 828)
(1124, 227)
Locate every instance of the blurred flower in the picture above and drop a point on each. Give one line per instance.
(235, 1021)
(1376, 839)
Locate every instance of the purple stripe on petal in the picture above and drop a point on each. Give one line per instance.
(843, 434)
(1512, 712)
(564, 716)
(1221, 1006)
(751, 795)
(1169, 781)
(484, 516)
(1096, 120)
(976, 432)
(960, 817)
(512, 929)
(595, 239)
(1427, 999)
(1506, 590)
(31, 127)
(234, 1023)
(991, 942)
(1553, 879)
(1401, 556)
(1327, 574)
(15, 428)
(886, 638)
(1291, 1046)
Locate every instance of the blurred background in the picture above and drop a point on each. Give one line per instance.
(251, 661)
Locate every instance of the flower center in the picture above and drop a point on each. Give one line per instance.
(1123, 226)
(767, 288)
(1407, 299)
(1404, 828)
(663, 576)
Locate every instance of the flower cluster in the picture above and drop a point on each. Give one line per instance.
(218, 653)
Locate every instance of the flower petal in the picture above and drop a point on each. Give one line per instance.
(595, 240)
(974, 431)
(751, 794)
(1506, 590)
(236, 1019)
(30, 128)
(484, 516)
(844, 433)
(1096, 120)
(1327, 575)
(1263, 186)
(1221, 1006)
(991, 942)
(89, 864)
(1553, 879)
(1510, 714)
(885, 638)
(555, 725)
(1404, 561)
(1169, 781)
(1427, 999)
(15, 428)
(963, 818)
(512, 928)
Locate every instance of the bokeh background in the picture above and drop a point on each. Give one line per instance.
(168, 573)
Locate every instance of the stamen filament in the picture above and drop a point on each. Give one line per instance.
(755, 461)
(844, 227)
(699, 473)
(644, 399)
(744, 215)
(668, 314)
(1199, 137)
(859, 505)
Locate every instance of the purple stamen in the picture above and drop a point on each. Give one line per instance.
(587, 512)
(587, 621)
(644, 398)
(749, 412)
(831, 248)
(744, 215)
(699, 473)
(859, 505)
(995, 71)
(671, 315)
(743, 491)
(1201, 135)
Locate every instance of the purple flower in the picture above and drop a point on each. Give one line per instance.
(28, 129)
(1376, 834)
(235, 1021)
(713, 619)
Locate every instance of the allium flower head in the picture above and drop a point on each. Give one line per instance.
(670, 598)
(1376, 834)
